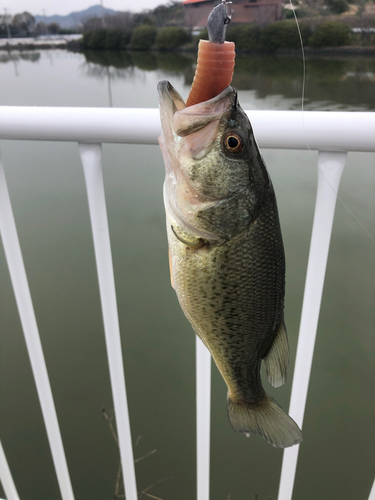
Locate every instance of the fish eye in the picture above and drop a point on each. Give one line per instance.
(233, 142)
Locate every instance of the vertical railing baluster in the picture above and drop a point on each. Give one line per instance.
(203, 384)
(6, 477)
(330, 167)
(372, 492)
(91, 156)
(30, 329)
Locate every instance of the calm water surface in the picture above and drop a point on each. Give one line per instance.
(50, 205)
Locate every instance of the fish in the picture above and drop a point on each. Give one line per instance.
(226, 253)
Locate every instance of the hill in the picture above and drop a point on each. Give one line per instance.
(73, 19)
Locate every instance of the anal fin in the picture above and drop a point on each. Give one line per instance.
(277, 359)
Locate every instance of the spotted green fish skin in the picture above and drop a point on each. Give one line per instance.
(227, 255)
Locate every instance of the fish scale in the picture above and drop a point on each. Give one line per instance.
(234, 299)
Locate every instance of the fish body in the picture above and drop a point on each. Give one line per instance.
(226, 253)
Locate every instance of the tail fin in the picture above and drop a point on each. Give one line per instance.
(266, 418)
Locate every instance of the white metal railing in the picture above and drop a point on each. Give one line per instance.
(333, 134)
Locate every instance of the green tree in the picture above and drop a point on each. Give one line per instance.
(24, 23)
(53, 28)
(330, 34)
(126, 36)
(143, 37)
(171, 37)
(337, 6)
(283, 34)
(113, 40)
(245, 36)
(95, 39)
(41, 28)
(170, 14)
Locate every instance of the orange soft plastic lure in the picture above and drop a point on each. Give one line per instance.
(214, 71)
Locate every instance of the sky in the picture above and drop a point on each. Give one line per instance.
(64, 7)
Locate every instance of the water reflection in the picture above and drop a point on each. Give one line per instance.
(148, 61)
(101, 72)
(350, 82)
(12, 56)
(15, 57)
(145, 61)
(345, 82)
(336, 83)
(331, 83)
(118, 60)
(173, 63)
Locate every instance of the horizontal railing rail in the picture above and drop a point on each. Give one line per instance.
(333, 134)
(316, 130)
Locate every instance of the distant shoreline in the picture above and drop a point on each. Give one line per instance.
(330, 51)
(32, 46)
(75, 46)
(42, 43)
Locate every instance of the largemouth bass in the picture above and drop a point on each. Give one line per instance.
(226, 253)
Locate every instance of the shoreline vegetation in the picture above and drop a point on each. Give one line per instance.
(325, 26)
(328, 37)
(247, 37)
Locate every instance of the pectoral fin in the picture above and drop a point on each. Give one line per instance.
(277, 359)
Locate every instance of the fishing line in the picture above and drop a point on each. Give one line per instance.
(304, 130)
(347, 208)
(304, 73)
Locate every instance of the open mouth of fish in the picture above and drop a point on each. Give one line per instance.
(184, 120)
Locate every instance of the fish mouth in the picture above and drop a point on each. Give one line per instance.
(170, 100)
(184, 120)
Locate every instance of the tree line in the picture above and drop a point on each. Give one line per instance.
(24, 25)
(247, 37)
(164, 28)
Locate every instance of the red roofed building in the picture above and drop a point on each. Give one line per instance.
(243, 11)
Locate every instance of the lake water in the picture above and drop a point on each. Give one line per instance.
(46, 184)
